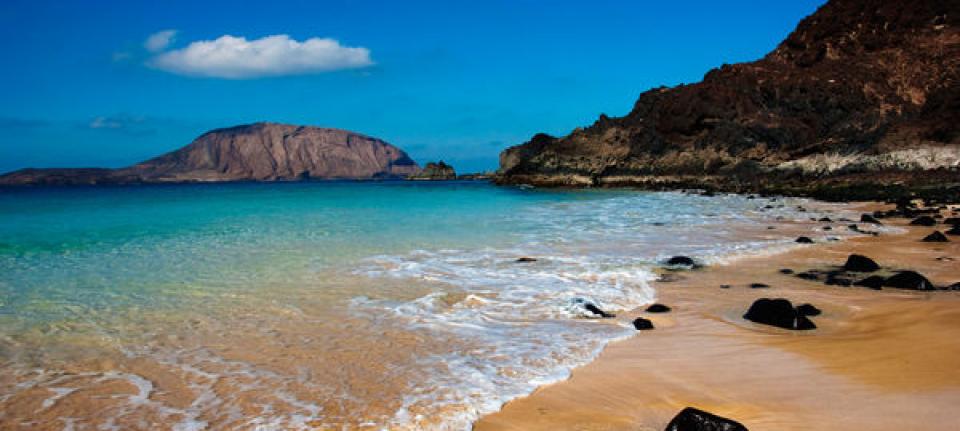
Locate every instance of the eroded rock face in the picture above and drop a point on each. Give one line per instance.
(257, 152)
(863, 92)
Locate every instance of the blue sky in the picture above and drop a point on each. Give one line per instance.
(451, 80)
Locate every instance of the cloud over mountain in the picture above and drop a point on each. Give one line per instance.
(238, 58)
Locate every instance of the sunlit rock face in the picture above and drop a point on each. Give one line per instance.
(862, 92)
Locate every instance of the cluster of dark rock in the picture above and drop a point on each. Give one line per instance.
(782, 314)
(928, 214)
(863, 271)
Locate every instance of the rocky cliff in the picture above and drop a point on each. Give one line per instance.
(257, 152)
(863, 93)
(436, 172)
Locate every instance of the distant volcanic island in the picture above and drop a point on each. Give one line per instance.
(256, 152)
(861, 101)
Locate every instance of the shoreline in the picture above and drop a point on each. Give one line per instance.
(879, 359)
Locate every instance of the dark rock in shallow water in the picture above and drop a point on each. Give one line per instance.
(658, 308)
(873, 282)
(860, 263)
(777, 312)
(526, 259)
(786, 271)
(923, 221)
(642, 324)
(953, 221)
(825, 219)
(681, 261)
(691, 419)
(724, 286)
(804, 323)
(759, 286)
(954, 231)
(936, 236)
(838, 278)
(596, 310)
(808, 310)
(954, 286)
(908, 280)
(804, 240)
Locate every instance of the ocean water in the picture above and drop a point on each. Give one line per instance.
(341, 305)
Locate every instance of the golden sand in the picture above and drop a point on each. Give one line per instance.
(879, 360)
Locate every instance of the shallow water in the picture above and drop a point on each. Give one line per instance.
(329, 305)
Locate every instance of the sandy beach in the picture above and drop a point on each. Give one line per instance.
(879, 360)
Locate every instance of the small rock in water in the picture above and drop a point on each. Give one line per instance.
(786, 271)
(526, 259)
(827, 228)
(837, 278)
(681, 261)
(825, 219)
(724, 286)
(596, 310)
(954, 230)
(874, 282)
(691, 419)
(808, 310)
(658, 308)
(954, 286)
(867, 218)
(860, 263)
(923, 221)
(936, 236)
(804, 240)
(759, 286)
(953, 221)
(908, 280)
(642, 324)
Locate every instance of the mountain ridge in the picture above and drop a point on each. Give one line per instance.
(261, 151)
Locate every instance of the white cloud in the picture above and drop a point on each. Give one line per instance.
(160, 40)
(239, 58)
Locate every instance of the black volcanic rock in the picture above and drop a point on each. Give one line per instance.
(255, 152)
(658, 308)
(867, 218)
(808, 310)
(691, 419)
(642, 324)
(923, 221)
(873, 80)
(873, 282)
(908, 280)
(682, 261)
(936, 236)
(860, 263)
(804, 240)
(780, 313)
(954, 231)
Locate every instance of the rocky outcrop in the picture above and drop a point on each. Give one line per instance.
(438, 171)
(256, 152)
(863, 94)
(691, 419)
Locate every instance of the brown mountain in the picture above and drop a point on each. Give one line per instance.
(257, 152)
(862, 98)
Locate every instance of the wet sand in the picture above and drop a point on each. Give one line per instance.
(879, 360)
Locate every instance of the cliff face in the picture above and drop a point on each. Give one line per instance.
(863, 91)
(260, 152)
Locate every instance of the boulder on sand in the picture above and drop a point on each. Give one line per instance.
(867, 218)
(778, 312)
(804, 240)
(860, 263)
(936, 236)
(682, 261)
(642, 324)
(691, 419)
(873, 282)
(923, 221)
(908, 280)
(658, 308)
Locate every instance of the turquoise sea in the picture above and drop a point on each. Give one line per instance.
(357, 305)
